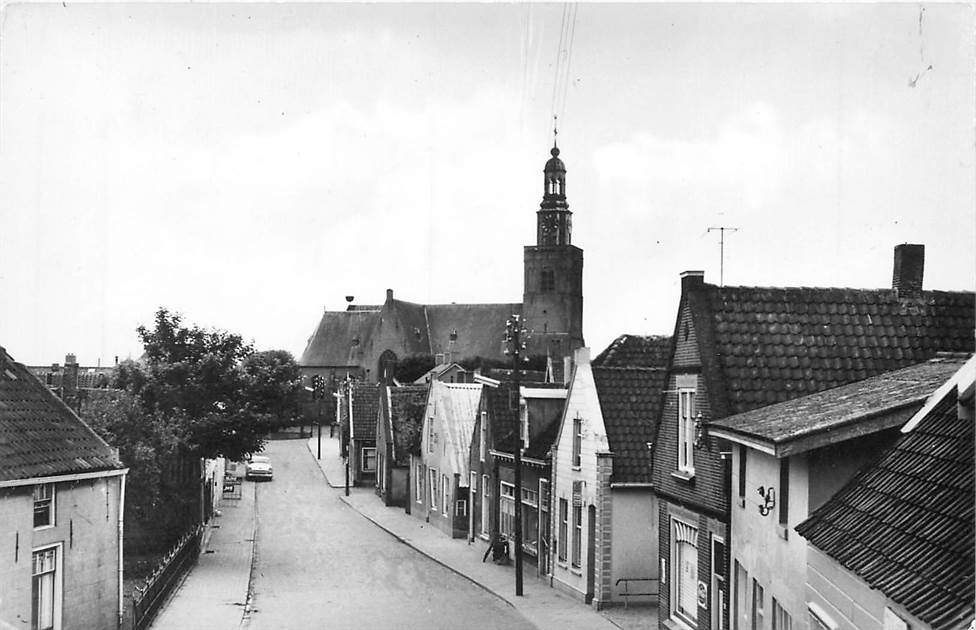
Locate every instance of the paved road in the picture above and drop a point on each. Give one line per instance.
(319, 564)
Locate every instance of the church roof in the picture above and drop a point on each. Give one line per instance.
(356, 336)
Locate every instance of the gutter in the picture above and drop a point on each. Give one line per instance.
(30, 481)
(632, 484)
(511, 458)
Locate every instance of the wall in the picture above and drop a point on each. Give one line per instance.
(635, 540)
(581, 402)
(772, 555)
(850, 602)
(86, 523)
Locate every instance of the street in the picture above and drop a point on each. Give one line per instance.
(320, 564)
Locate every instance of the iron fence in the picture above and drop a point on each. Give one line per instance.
(149, 597)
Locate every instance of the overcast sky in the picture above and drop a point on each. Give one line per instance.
(250, 165)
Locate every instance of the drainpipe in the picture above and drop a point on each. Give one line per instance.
(121, 524)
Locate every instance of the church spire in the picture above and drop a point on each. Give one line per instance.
(554, 218)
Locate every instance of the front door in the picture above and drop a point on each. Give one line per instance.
(590, 552)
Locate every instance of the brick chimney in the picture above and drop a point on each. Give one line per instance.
(909, 269)
(691, 280)
(69, 382)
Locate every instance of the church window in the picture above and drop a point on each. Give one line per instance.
(548, 280)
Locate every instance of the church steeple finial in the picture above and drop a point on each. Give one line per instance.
(555, 131)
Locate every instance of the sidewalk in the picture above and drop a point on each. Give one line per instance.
(214, 593)
(542, 605)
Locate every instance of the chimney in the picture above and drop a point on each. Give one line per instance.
(906, 278)
(389, 295)
(691, 280)
(69, 382)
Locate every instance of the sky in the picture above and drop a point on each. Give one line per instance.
(249, 165)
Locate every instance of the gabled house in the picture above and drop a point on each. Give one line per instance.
(358, 411)
(788, 459)
(497, 416)
(447, 372)
(527, 418)
(439, 493)
(893, 549)
(604, 505)
(398, 430)
(61, 506)
(737, 349)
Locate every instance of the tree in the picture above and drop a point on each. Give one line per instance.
(273, 384)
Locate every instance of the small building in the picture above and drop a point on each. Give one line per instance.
(447, 372)
(604, 505)
(788, 460)
(439, 493)
(737, 349)
(61, 506)
(358, 411)
(893, 549)
(398, 430)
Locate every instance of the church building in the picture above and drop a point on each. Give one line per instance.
(367, 342)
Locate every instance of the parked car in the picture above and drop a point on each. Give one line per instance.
(258, 467)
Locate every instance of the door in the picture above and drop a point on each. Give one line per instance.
(718, 584)
(590, 552)
(741, 620)
(472, 495)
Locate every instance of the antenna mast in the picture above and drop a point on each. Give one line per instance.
(721, 250)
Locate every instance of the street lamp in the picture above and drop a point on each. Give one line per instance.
(515, 335)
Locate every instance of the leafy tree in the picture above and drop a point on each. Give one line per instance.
(273, 384)
(410, 368)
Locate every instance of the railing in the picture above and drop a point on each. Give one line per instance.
(638, 587)
(150, 596)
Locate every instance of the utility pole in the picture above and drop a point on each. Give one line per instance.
(721, 250)
(515, 332)
(348, 433)
(319, 393)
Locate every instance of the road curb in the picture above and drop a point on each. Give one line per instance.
(246, 615)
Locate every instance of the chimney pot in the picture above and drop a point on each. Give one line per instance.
(70, 359)
(909, 268)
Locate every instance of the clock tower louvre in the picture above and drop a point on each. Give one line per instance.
(553, 290)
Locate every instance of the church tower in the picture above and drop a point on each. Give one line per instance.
(552, 303)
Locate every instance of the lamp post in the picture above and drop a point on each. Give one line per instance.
(515, 333)
(347, 434)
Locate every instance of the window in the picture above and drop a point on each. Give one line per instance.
(740, 598)
(45, 590)
(485, 514)
(369, 459)
(758, 595)
(784, 491)
(548, 281)
(484, 435)
(431, 436)
(530, 497)
(743, 450)
(563, 529)
(44, 505)
(506, 509)
(445, 494)
(684, 567)
(719, 589)
(419, 483)
(577, 534)
(577, 442)
(781, 618)
(433, 488)
(686, 430)
(460, 507)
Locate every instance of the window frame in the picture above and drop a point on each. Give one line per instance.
(676, 554)
(686, 430)
(485, 505)
(577, 558)
(57, 587)
(365, 458)
(484, 435)
(506, 508)
(758, 605)
(445, 495)
(782, 620)
(432, 487)
(562, 546)
(419, 482)
(47, 501)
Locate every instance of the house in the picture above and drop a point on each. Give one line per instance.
(61, 506)
(439, 493)
(358, 407)
(788, 459)
(605, 508)
(894, 548)
(368, 341)
(526, 418)
(398, 430)
(737, 349)
(447, 372)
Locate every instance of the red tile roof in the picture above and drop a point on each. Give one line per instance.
(39, 435)
(776, 344)
(636, 351)
(905, 524)
(630, 401)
